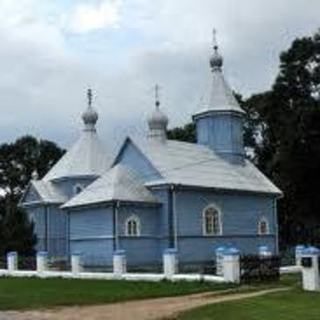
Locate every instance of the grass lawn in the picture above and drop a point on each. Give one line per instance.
(33, 293)
(291, 305)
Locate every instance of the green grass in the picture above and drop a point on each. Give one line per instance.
(288, 305)
(33, 293)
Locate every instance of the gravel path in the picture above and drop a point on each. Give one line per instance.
(152, 309)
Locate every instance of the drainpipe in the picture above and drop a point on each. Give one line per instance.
(116, 232)
(46, 232)
(175, 218)
(276, 223)
(48, 229)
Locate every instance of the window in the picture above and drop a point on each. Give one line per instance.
(133, 227)
(263, 226)
(211, 221)
(77, 188)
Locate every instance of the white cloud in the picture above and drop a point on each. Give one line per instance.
(91, 17)
(45, 68)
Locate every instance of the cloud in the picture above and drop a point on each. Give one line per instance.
(91, 17)
(52, 50)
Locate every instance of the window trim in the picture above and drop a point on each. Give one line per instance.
(263, 219)
(136, 219)
(204, 229)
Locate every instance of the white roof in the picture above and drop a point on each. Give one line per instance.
(87, 157)
(191, 164)
(220, 96)
(47, 191)
(118, 184)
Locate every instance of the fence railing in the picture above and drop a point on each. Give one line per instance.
(255, 268)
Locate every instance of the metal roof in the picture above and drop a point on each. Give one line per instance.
(118, 184)
(47, 191)
(87, 157)
(220, 96)
(191, 164)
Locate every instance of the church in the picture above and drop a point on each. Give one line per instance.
(158, 193)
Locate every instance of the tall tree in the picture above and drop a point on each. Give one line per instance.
(289, 151)
(18, 161)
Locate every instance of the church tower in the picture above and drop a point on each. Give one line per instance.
(219, 123)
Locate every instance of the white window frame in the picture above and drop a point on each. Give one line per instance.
(204, 220)
(135, 219)
(266, 221)
(77, 187)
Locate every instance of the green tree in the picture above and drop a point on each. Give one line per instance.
(289, 151)
(18, 161)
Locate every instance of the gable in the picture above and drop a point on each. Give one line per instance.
(30, 195)
(131, 156)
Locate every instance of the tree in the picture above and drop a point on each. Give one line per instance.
(187, 133)
(18, 161)
(289, 151)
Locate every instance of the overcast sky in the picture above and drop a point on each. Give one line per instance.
(52, 50)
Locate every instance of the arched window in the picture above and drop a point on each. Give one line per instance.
(133, 227)
(263, 226)
(212, 225)
(77, 189)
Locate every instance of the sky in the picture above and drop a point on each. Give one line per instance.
(51, 51)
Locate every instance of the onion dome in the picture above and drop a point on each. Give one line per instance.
(216, 60)
(87, 157)
(90, 116)
(158, 121)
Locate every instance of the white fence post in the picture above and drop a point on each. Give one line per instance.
(42, 261)
(76, 262)
(12, 261)
(119, 262)
(231, 265)
(219, 260)
(310, 269)
(170, 262)
(298, 253)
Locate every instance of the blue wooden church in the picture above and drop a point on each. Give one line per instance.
(158, 193)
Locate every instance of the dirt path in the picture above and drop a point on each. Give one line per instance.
(152, 309)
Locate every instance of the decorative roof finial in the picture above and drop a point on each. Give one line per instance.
(157, 88)
(89, 95)
(157, 121)
(214, 39)
(90, 116)
(216, 60)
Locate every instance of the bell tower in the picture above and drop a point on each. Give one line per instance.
(219, 123)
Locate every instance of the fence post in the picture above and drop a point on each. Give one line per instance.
(76, 262)
(170, 262)
(264, 251)
(219, 260)
(310, 269)
(298, 253)
(42, 261)
(231, 265)
(12, 261)
(119, 262)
